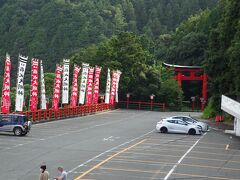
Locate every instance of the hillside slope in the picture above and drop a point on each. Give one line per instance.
(54, 29)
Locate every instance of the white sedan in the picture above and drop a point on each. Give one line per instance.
(191, 120)
(177, 126)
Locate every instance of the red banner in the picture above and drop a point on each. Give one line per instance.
(6, 101)
(113, 87)
(34, 86)
(96, 84)
(57, 87)
(74, 94)
(90, 86)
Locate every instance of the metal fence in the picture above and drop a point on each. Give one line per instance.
(152, 106)
(65, 112)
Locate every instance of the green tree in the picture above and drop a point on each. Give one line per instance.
(133, 56)
(221, 62)
(119, 19)
(49, 84)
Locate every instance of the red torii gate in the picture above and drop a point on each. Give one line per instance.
(180, 75)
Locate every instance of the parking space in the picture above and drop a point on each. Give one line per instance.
(119, 145)
(168, 156)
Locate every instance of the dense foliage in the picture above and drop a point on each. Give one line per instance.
(141, 76)
(222, 57)
(54, 29)
(182, 32)
(212, 39)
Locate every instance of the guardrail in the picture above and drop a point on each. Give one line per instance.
(142, 105)
(65, 112)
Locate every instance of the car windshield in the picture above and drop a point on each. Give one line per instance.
(25, 119)
(193, 119)
(21, 118)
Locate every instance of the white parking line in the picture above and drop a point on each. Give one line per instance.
(227, 146)
(180, 160)
(109, 150)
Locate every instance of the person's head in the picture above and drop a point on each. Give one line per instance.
(43, 168)
(60, 169)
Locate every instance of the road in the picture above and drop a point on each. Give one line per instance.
(117, 145)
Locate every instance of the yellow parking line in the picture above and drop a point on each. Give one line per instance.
(137, 149)
(182, 164)
(150, 154)
(202, 176)
(182, 141)
(154, 144)
(220, 144)
(157, 149)
(220, 154)
(167, 140)
(161, 172)
(188, 157)
(106, 160)
(156, 174)
(203, 147)
(212, 167)
(133, 170)
(163, 161)
(143, 161)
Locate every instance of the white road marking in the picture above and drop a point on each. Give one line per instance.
(180, 160)
(227, 146)
(108, 138)
(109, 150)
(111, 138)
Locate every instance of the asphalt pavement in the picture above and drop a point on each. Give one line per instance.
(119, 145)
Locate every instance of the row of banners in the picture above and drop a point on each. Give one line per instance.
(88, 90)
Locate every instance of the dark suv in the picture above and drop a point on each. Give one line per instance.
(16, 123)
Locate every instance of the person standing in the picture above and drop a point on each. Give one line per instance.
(44, 175)
(63, 174)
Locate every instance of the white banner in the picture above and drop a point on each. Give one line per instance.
(43, 91)
(108, 88)
(22, 62)
(117, 85)
(83, 83)
(65, 81)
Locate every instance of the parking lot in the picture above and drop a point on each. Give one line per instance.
(119, 145)
(157, 156)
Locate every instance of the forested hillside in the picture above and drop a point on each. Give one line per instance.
(211, 39)
(134, 36)
(222, 56)
(53, 29)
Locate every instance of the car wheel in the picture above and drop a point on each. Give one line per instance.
(192, 131)
(17, 131)
(163, 130)
(24, 134)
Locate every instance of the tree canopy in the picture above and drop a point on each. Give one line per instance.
(141, 74)
(134, 36)
(211, 39)
(55, 29)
